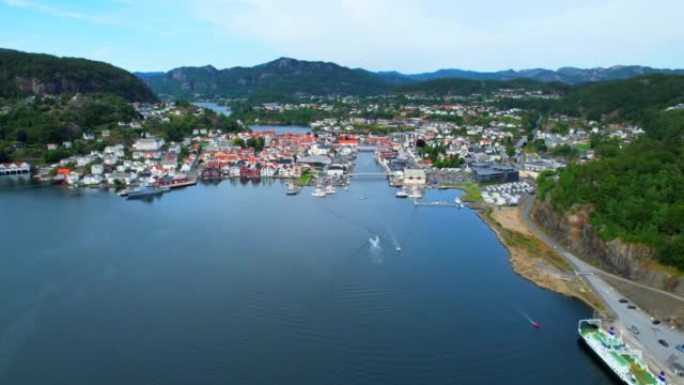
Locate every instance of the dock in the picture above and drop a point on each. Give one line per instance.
(438, 204)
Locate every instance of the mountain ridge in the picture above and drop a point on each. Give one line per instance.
(289, 76)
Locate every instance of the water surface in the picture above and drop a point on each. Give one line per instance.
(241, 284)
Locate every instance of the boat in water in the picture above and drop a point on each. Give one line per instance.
(146, 192)
(293, 189)
(319, 192)
(330, 189)
(624, 362)
(401, 194)
(415, 193)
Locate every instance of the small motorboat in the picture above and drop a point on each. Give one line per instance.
(535, 325)
(319, 192)
(401, 194)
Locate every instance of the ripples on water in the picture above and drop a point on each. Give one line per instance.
(241, 284)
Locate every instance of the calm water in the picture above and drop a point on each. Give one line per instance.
(224, 110)
(241, 284)
(281, 129)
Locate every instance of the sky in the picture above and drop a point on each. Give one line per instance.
(409, 36)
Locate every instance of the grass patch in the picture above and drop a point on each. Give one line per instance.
(304, 180)
(471, 191)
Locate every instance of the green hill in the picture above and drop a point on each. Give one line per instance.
(635, 193)
(280, 78)
(24, 74)
(465, 87)
(624, 99)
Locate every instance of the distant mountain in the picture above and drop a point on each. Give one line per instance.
(465, 87)
(24, 73)
(569, 75)
(287, 77)
(281, 77)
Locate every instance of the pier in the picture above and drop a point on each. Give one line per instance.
(438, 204)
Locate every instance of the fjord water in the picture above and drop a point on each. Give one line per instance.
(241, 284)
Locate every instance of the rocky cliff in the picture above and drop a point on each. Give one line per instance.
(631, 261)
(24, 74)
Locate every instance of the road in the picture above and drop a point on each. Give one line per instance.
(649, 334)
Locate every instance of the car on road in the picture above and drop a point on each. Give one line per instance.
(655, 322)
(631, 307)
(680, 347)
(634, 330)
(663, 342)
(622, 300)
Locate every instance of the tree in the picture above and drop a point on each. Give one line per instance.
(237, 141)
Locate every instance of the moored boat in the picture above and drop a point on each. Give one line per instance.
(319, 192)
(401, 194)
(145, 192)
(293, 189)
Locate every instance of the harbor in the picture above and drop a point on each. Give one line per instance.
(356, 313)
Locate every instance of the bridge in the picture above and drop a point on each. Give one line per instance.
(368, 173)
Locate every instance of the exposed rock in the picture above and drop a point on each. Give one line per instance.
(628, 260)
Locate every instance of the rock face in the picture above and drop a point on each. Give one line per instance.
(631, 261)
(26, 74)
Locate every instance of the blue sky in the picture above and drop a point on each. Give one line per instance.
(406, 35)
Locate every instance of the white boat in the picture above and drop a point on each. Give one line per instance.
(292, 189)
(319, 192)
(415, 193)
(330, 189)
(624, 361)
(401, 194)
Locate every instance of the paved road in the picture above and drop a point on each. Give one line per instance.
(649, 334)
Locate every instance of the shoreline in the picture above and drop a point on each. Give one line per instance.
(532, 259)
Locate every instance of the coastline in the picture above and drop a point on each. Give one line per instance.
(531, 258)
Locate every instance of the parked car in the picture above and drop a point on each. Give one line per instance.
(663, 342)
(634, 330)
(655, 322)
(680, 347)
(622, 300)
(631, 307)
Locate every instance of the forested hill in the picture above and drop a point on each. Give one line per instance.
(635, 192)
(24, 74)
(568, 75)
(629, 99)
(280, 78)
(464, 87)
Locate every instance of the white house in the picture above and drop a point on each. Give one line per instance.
(414, 177)
(97, 169)
(92, 180)
(148, 144)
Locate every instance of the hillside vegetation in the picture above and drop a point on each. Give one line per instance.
(24, 74)
(277, 79)
(465, 87)
(635, 193)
